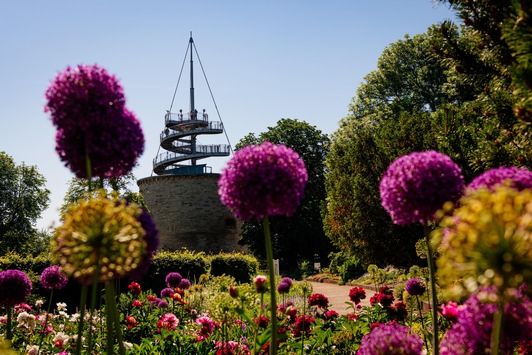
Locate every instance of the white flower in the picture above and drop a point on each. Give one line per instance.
(127, 345)
(74, 318)
(64, 314)
(39, 303)
(32, 349)
(61, 336)
(61, 306)
(26, 320)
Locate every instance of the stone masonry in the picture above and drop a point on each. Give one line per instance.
(188, 213)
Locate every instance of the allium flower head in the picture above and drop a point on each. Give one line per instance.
(184, 284)
(15, 286)
(517, 178)
(417, 185)
(52, 278)
(263, 180)
(415, 287)
(99, 236)
(151, 237)
(87, 106)
(113, 148)
(285, 285)
(85, 92)
(487, 241)
(471, 334)
(390, 339)
(173, 279)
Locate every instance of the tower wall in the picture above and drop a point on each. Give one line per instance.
(188, 213)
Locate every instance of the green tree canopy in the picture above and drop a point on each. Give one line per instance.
(23, 197)
(300, 237)
(478, 115)
(79, 189)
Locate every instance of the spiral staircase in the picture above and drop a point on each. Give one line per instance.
(179, 137)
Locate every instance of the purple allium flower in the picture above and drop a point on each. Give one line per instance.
(517, 178)
(283, 287)
(83, 94)
(113, 146)
(415, 287)
(417, 185)
(15, 286)
(173, 279)
(86, 105)
(391, 338)
(184, 284)
(471, 334)
(167, 292)
(53, 279)
(263, 180)
(151, 237)
(287, 280)
(162, 304)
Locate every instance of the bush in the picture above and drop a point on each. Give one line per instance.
(189, 264)
(337, 260)
(240, 266)
(351, 270)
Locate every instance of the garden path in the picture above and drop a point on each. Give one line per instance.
(338, 295)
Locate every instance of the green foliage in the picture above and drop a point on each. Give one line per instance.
(336, 261)
(189, 264)
(79, 189)
(301, 236)
(31, 266)
(351, 269)
(23, 197)
(240, 266)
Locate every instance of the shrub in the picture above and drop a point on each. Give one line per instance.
(189, 264)
(337, 260)
(351, 270)
(240, 266)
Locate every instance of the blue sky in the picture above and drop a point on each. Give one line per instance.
(264, 60)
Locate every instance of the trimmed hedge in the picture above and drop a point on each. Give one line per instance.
(240, 266)
(189, 264)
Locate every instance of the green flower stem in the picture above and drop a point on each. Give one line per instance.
(273, 305)
(419, 306)
(9, 330)
(82, 302)
(113, 319)
(45, 321)
(93, 302)
(434, 300)
(496, 331)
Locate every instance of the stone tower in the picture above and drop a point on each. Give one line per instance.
(183, 196)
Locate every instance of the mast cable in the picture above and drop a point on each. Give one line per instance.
(212, 96)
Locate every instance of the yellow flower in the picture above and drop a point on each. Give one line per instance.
(487, 242)
(100, 237)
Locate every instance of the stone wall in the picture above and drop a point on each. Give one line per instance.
(188, 213)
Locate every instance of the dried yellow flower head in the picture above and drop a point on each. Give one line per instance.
(487, 242)
(100, 237)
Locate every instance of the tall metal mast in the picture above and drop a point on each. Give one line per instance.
(191, 43)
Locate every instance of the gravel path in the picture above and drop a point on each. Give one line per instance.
(338, 295)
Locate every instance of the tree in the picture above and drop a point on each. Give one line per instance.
(300, 237)
(409, 78)
(481, 117)
(79, 189)
(23, 197)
